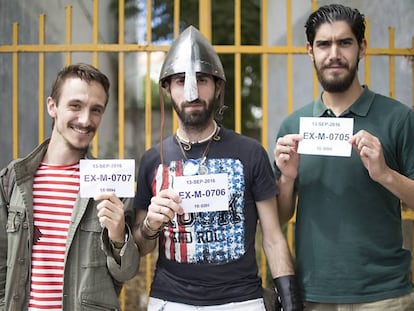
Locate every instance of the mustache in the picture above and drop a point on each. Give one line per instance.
(84, 128)
(335, 63)
(197, 101)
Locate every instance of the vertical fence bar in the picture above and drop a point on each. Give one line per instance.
(289, 56)
(148, 104)
(291, 222)
(204, 16)
(265, 75)
(121, 96)
(148, 121)
(265, 110)
(367, 71)
(68, 55)
(41, 78)
(95, 31)
(391, 73)
(176, 28)
(148, 131)
(15, 101)
(315, 88)
(412, 84)
(121, 78)
(237, 67)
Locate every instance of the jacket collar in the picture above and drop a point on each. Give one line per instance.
(26, 167)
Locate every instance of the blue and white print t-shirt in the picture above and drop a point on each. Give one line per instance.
(209, 258)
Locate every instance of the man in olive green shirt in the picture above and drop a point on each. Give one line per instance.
(348, 229)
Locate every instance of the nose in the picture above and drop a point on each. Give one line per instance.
(84, 117)
(334, 52)
(190, 87)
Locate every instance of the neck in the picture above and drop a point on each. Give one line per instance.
(61, 154)
(339, 102)
(197, 137)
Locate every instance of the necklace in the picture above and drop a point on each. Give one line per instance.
(192, 166)
(187, 143)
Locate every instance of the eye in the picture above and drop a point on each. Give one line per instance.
(346, 42)
(98, 110)
(178, 80)
(323, 44)
(74, 105)
(202, 79)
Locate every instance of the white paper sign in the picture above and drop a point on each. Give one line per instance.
(99, 176)
(203, 193)
(326, 136)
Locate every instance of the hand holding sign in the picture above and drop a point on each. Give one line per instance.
(111, 215)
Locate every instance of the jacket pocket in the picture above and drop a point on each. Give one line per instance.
(90, 239)
(96, 293)
(15, 220)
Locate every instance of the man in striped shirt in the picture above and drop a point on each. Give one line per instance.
(59, 251)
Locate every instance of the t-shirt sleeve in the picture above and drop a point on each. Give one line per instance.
(264, 185)
(407, 146)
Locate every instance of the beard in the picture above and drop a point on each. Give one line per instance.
(196, 119)
(336, 84)
(81, 147)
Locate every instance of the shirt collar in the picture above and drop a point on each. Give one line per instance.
(360, 107)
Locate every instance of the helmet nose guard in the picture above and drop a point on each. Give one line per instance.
(191, 53)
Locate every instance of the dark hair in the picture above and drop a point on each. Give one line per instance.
(83, 71)
(333, 13)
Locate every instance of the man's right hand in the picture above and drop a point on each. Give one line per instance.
(286, 156)
(163, 208)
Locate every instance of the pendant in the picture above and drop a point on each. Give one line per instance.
(190, 167)
(203, 170)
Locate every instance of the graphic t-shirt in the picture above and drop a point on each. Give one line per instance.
(208, 258)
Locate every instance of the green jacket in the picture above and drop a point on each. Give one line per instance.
(92, 277)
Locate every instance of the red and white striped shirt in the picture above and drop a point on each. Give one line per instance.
(55, 189)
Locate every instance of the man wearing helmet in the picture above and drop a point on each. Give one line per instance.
(207, 257)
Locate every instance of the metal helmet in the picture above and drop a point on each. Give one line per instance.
(191, 53)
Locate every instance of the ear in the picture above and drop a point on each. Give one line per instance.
(167, 88)
(219, 88)
(51, 107)
(309, 49)
(363, 48)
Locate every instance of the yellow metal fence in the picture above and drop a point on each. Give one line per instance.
(120, 48)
